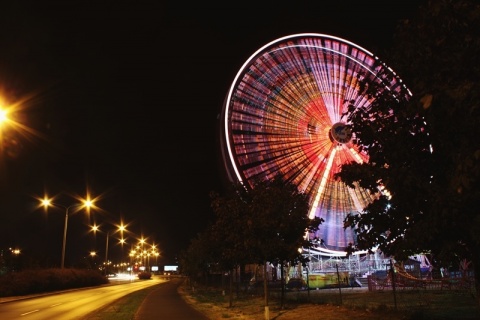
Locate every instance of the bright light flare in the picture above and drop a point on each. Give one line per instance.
(95, 228)
(13, 116)
(3, 116)
(122, 227)
(46, 202)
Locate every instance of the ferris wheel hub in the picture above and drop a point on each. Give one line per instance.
(341, 133)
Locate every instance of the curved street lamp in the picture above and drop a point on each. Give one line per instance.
(121, 228)
(48, 203)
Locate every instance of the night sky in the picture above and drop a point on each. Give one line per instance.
(121, 99)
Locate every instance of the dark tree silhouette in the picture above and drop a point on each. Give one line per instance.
(265, 223)
(424, 148)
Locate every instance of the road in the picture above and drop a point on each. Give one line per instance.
(74, 304)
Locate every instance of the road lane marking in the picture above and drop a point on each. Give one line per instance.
(26, 313)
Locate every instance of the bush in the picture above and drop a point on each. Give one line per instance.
(47, 280)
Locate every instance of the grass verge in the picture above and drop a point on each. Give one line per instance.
(122, 309)
(352, 304)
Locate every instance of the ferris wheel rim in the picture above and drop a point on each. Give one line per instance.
(320, 44)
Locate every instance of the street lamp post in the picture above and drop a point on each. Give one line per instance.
(106, 253)
(121, 228)
(122, 242)
(48, 203)
(65, 234)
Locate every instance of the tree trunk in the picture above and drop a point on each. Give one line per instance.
(265, 290)
(238, 277)
(231, 289)
(282, 283)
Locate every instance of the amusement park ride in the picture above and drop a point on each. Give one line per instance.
(283, 115)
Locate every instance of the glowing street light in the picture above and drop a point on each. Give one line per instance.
(4, 119)
(3, 116)
(92, 256)
(48, 203)
(9, 126)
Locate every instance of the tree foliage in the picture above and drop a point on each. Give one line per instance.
(424, 148)
(265, 223)
(196, 260)
(280, 221)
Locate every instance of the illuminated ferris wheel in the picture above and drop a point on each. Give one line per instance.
(283, 115)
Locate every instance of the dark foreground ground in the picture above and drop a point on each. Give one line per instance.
(347, 303)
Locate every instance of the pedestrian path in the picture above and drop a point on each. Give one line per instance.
(165, 302)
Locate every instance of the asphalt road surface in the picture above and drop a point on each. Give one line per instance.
(72, 304)
(163, 302)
